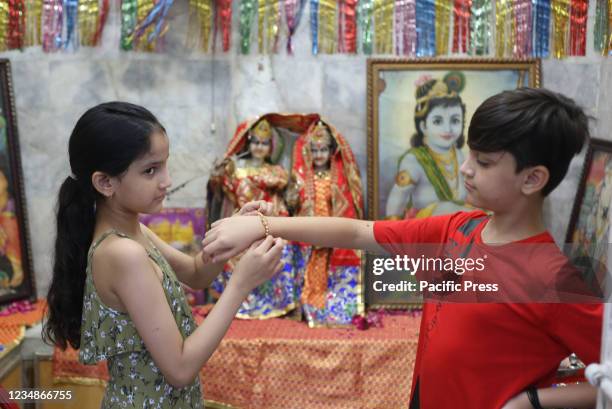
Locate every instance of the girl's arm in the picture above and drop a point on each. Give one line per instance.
(198, 271)
(230, 236)
(195, 271)
(138, 286)
(578, 396)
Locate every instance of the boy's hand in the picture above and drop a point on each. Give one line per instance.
(251, 208)
(230, 236)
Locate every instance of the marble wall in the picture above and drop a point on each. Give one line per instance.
(200, 99)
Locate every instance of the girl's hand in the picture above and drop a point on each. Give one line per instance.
(251, 208)
(520, 401)
(258, 264)
(231, 236)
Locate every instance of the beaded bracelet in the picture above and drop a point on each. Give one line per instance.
(264, 222)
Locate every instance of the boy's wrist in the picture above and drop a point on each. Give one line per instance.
(533, 397)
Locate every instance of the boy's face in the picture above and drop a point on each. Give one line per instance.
(491, 180)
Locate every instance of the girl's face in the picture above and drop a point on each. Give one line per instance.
(143, 187)
(443, 126)
(260, 148)
(320, 156)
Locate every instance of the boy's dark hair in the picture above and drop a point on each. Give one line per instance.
(107, 138)
(537, 126)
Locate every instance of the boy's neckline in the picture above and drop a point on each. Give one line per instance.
(542, 237)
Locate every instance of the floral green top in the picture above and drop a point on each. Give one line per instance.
(108, 334)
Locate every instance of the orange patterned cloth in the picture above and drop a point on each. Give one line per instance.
(280, 363)
(27, 318)
(13, 326)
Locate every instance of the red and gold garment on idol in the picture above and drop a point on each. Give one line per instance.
(332, 284)
(235, 182)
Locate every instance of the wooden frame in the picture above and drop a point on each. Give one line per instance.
(16, 274)
(398, 78)
(587, 238)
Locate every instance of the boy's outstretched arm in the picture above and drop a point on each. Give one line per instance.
(579, 396)
(230, 236)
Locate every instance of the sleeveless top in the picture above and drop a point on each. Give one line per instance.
(108, 334)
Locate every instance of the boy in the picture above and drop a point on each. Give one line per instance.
(486, 355)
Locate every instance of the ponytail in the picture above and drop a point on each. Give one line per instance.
(75, 226)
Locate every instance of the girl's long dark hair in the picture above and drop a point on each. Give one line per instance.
(107, 138)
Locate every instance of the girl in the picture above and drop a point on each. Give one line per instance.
(115, 291)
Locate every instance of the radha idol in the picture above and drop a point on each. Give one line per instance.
(326, 182)
(245, 174)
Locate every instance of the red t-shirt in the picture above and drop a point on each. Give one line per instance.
(481, 355)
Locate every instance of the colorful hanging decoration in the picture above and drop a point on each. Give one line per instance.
(480, 27)
(200, 24)
(443, 13)
(328, 11)
(365, 15)
(293, 15)
(89, 10)
(503, 28)
(405, 27)
(560, 27)
(16, 24)
(601, 29)
(523, 28)
(383, 26)
(4, 23)
(247, 12)
(223, 22)
(129, 18)
(578, 27)
(152, 24)
(426, 28)
(71, 9)
(541, 28)
(52, 24)
(314, 26)
(269, 17)
(33, 15)
(347, 26)
(461, 26)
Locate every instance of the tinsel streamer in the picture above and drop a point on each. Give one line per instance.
(365, 16)
(223, 22)
(314, 26)
(383, 26)
(609, 46)
(426, 28)
(600, 30)
(405, 27)
(541, 28)
(262, 7)
(461, 25)
(560, 27)
(578, 27)
(87, 18)
(503, 14)
(293, 15)
(16, 24)
(101, 22)
(71, 9)
(4, 22)
(129, 18)
(443, 12)
(480, 27)
(52, 24)
(199, 24)
(247, 12)
(523, 28)
(148, 13)
(33, 16)
(347, 26)
(273, 25)
(327, 26)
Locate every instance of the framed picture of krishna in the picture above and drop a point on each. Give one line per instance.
(418, 116)
(16, 275)
(587, 241)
